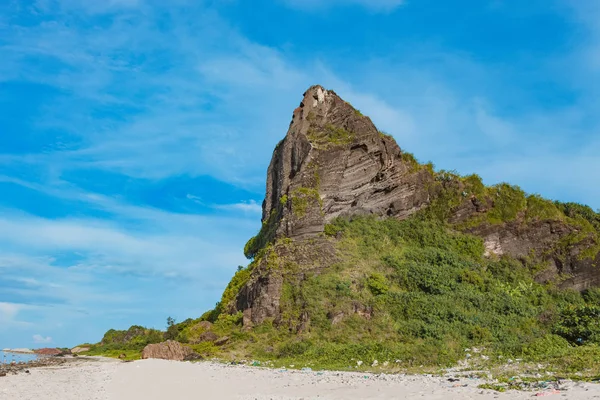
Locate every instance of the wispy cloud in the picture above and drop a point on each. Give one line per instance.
(250, 206)
(8, 311)
(373, 5)
(39, 339)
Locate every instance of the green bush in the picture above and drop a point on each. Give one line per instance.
(508, 202)
(377, 284)
(135, 338)
(542, 209)
(579, 211)
(579, 324)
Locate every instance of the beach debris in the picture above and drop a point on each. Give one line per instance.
(453, 380)
(306, 369)
(375, 363)
(541, 394)
(359, 363)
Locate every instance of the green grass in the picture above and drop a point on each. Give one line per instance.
(264, 236)
(508, 202)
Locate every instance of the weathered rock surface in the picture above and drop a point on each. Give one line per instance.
(222, 341)
(169, 350)
(77, 350)
(333, 161)
(541, 238)
(206, 337)
(259, 298)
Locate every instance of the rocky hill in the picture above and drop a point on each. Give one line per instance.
(366, 254)
(334, 163)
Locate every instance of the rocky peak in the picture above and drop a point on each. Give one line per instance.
(333, 161)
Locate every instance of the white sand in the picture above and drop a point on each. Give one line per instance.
(164, 380)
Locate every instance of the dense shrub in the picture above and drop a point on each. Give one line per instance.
(580, 324)
(135, 338)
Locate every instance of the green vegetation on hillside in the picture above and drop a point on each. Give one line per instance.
(129, 342)
(418, 293)
(502, 204)
(407, 293)
(264, 236)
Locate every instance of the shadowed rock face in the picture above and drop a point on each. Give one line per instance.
(541, 238)
(334, 162)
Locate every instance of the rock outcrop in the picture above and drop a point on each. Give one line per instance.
(49, 352)
(78, 349)
(169, 350)
(545, 240)
(334, 162)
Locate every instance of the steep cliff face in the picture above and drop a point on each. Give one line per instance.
(334, 162)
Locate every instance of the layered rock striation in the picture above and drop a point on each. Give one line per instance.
(333, 162)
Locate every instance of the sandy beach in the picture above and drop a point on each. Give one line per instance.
(104, 379)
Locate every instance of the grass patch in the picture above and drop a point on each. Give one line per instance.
(329, 136)
(303, 199)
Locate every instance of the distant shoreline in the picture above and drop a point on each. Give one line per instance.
(18, 351)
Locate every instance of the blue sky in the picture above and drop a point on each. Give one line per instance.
(135, 134)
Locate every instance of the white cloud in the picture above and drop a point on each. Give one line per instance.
(39, 339)
(8, 311)
(10, 316)
(373, 5)
(109, 246)
(249, 206)
(498, 130)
